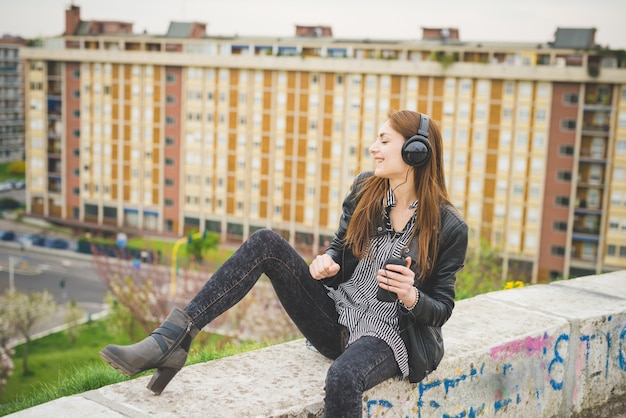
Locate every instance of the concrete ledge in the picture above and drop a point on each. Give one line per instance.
(539, 351)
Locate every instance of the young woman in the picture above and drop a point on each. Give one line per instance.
(374, 302)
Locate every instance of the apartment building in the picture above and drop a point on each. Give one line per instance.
(190, 132)
(11, 100)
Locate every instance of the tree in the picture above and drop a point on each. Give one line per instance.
(23, 310)
(140, 295)
(196, 247)
(6, 332)
(482, 272)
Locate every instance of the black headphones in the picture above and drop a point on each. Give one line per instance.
(416, 149)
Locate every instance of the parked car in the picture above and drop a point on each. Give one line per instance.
(7, 236)
(38, 240)
(57, 243)
(19, 184)
(6, 185)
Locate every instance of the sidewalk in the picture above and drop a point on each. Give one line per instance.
(30, 226)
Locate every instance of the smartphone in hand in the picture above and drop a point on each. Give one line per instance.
(385, 295)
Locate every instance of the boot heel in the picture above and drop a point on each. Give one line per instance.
(160, 379)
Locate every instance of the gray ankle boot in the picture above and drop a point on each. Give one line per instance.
(165, 349)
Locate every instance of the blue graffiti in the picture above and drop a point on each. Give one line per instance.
(621, 358)
(506, 368)
(608, 353)
(586, 339)
(423, 387)
(451, 383)
(374, 403)
(498, 405)
(557, 360)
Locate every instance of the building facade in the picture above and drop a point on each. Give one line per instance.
(11, 100)
(188, 132)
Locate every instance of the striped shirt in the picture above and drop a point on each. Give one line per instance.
(359, 309)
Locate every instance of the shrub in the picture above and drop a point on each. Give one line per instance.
(17, 168)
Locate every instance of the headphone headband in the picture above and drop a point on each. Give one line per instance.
(423, 129)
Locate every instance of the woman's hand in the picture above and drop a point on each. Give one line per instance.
(323, 266)
(399, 280)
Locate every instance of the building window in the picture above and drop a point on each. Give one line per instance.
(557, 251)
(564, 175)
(570, 98)
(169, 141)
(622, 251)
(168, 202)
(540, 115)
(169, 120)
(562, 201)
(568, 124)
(169, 161)
(566, 150)
(170, 78)
(559, 226)
(610, 250)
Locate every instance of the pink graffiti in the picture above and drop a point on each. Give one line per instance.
(531, 346)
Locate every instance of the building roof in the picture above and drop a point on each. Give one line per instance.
(179, 30)
(574, 38)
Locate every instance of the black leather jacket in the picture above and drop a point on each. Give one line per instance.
(437, 293)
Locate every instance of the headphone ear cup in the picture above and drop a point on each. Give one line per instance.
(416, 151)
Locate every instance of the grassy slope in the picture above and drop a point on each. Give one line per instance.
(59, 368)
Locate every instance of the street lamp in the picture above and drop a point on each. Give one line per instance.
(11, 278)
(177, 245)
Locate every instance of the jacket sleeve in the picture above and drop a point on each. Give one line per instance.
(336, 248)
(437, 294)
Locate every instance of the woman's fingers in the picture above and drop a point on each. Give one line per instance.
(323, 266)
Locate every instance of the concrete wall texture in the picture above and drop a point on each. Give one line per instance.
(556, 350)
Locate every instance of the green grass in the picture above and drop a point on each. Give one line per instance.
(59, 369)
(5, 175)
(49, 357)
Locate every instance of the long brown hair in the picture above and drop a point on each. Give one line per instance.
(430, 187)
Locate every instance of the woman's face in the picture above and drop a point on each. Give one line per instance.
(387, 153)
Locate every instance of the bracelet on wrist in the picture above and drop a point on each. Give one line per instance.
(417, 298)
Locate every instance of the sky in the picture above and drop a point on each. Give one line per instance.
(476, 20)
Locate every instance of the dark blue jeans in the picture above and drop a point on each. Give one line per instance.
(364, 364)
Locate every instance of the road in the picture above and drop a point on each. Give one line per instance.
(45, 270)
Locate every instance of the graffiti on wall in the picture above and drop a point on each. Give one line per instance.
(525, 375)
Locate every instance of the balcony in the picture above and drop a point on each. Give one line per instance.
(584, 249)
(54, 88)
(54, 184)
(54, 106)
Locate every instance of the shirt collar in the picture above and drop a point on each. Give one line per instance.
(390, 201)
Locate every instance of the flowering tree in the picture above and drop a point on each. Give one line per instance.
(23, 310)
(145, 293)
(6, 364)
